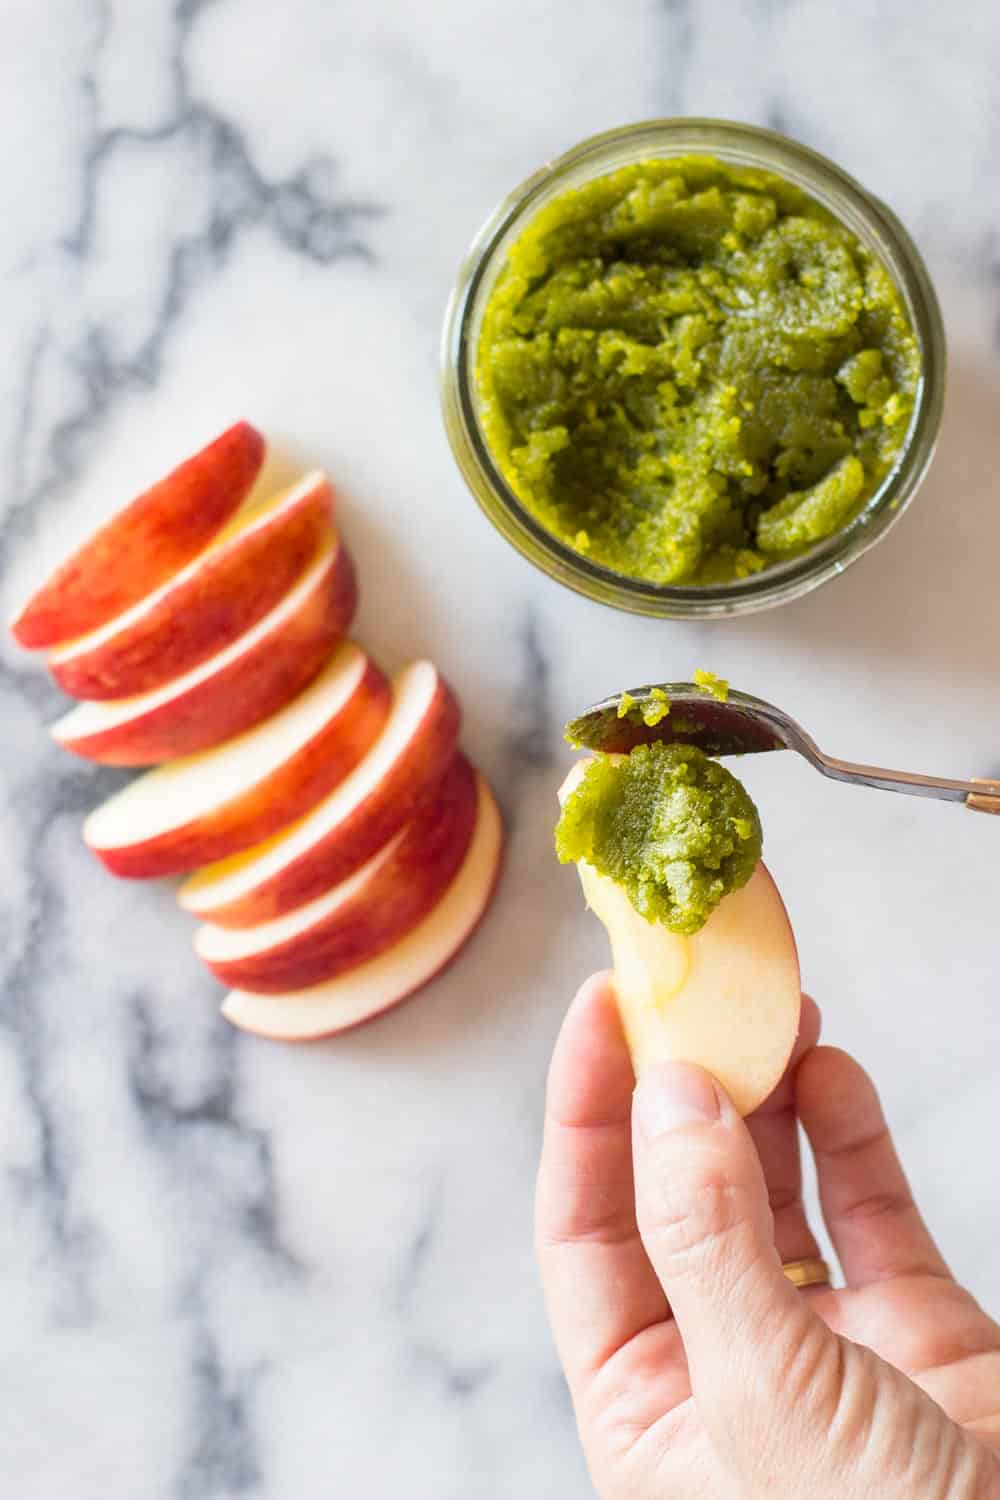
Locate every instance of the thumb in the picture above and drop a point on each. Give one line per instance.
(754, 1345)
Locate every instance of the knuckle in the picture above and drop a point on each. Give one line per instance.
(596, 1227)
(877, 1205)
(960, 1331)
(783, 1197)
(691, 1217)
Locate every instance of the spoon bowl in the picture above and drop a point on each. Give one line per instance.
(727, 722)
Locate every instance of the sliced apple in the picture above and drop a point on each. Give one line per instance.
(254, 677)
(727, 998)
(363, 915)
(210, 805)
(222, 593)
(376, 986)
(147, 542)
(347, 827)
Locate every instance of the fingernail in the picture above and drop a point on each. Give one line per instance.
(669, 1095)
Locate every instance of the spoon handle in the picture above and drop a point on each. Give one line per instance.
(988, 800)
(977, 793)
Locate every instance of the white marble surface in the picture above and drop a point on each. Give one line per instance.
(230, 1269)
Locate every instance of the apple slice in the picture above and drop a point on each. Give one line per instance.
(383, 982)
(204, 607)
(235, 689)
(210, 805)
(142, 546)
(348, 826)
(727, 998)
(363, 915)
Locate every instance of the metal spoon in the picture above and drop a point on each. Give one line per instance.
(742, 725)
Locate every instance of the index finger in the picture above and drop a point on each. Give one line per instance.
(600, 1288)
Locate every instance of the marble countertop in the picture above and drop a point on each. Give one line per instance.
(231, 1269)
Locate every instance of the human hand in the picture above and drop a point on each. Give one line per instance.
(696, 1368)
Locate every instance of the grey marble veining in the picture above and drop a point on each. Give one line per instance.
(231, 1269)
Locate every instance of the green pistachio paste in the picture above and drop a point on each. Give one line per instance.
(688, 370)
(673, 828)
(716, 687)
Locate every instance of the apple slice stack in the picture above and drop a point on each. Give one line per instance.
(349, 848)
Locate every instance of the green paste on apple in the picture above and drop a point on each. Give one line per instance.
(674, 829)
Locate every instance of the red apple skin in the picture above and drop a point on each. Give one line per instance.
(405, 995)
(238, 583)
(400, 894)
(246, 692)
(275, 801)
(146, 543)
(376, 1015)
(391, 803)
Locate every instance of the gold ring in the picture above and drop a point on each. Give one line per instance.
(812, 1272)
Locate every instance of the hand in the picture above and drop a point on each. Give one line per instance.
(696, 1368)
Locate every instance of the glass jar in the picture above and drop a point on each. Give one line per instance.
(739, 145)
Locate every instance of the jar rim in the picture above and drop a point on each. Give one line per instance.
(739, 144)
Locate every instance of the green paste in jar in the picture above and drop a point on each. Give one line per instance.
(688, 370)
(676, 830)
